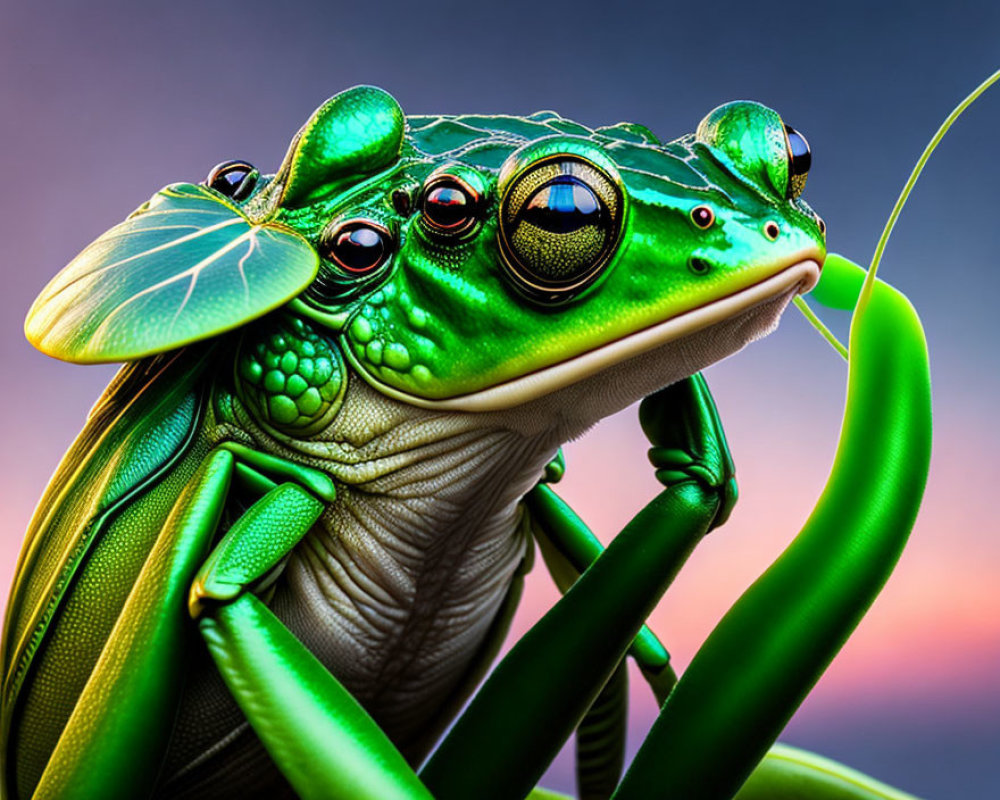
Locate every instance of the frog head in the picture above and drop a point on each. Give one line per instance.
(497, 259)
(469, 263)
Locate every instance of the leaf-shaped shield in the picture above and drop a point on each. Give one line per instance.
(187, 266)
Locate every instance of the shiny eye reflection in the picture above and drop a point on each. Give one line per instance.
(358, 247)
(798, 147)
(560, 221)
(446, 206)
(563, 205)
(235, 179)
(449, 207)
(799, 161)
(702, 216)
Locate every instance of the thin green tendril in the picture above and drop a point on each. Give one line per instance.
(817, 323)
(896, 210)
(905, 193)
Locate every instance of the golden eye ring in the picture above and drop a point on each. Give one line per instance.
(559, 196)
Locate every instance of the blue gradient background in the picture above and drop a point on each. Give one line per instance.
(103, 102)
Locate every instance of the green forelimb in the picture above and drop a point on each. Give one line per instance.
(324, 742)
(115, 739)
(771, 647)
(569, 547)
(321, 739)
(256, 543)
(540, 691)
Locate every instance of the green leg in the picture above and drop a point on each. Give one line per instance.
(568, 548)
(118, 732)
(256, 543)
(115, 739)
(321, 739)
(600, 739)
(788, 773)
(771, 647)
(555, 672)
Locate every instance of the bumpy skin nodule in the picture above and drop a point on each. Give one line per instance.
(291, 375)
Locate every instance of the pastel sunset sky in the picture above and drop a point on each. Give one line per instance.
(104, 102)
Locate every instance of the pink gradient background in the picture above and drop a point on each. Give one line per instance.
(104, 102)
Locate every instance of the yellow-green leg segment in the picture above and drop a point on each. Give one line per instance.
(788, 773)
(117, 735)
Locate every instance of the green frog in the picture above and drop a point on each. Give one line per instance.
(330, 450)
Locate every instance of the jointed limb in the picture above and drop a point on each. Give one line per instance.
(323, 741)
(557, 669)
(325, 744)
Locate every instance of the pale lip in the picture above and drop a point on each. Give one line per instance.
(810, 281)
(799, 277)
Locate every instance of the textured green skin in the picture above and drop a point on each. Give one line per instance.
(437, 325)
(291, 377)
(440, 327)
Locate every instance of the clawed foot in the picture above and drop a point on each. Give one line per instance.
(682, 424)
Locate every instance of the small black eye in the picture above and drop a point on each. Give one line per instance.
(234, 179)
(357, 246)
(771, 230)
(799, 161)
(699, 266)
(821, 225)
(799, 149)
(449, 206)
(702, 216)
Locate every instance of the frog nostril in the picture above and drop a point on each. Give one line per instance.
(771, 230)
(699, 266)
(402, 202)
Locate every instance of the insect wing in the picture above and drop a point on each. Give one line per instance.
(186, 266)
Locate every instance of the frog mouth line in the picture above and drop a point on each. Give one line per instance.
(797, 278)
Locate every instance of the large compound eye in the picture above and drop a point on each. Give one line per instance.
(358, 246)
(799, 161)
(560, 220)
(449, 206)
(235, 179)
